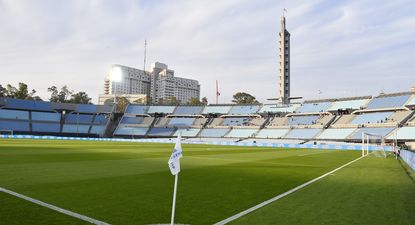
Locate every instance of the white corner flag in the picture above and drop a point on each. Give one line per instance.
(174, 165)
(174, 161)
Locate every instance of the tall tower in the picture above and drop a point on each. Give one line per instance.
(284, 63)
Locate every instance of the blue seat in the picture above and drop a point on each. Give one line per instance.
(14, 114)
(14, 125)
(161, 109)
(388, 102)
(97, 129)
(378, 117)
(131, 120)
(216, 109)
(241, 133)
(302, 120)
(46, 127)
(303, 133)
(181, 122)
(69, 128)
(188, 110)
(214, 132)
(78, 118)
(383, 131)
(136, 109)
(314, 107)
(164, 132)
(272, 133)
(46, 116)
(244, 109)
(133, 131)
(190, 132)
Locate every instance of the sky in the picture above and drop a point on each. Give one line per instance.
(338, 48)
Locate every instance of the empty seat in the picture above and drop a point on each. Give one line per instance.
(302, 120)
(190, 132)
(136, 109)
(382, 131)
(241, 133)
(46, 127)
(97, 129)
(78, 118)
(239, 121)
(46, 116)
(314, 107)
(272, 133)
(181, 122)
(74, 128)
(336, 134)
(403, 133)
(379, 117)
(14, 114)
(303, 133)
(243, 109)
(14, 125)
(188, 110)
(214, 132)
(349, 104)
(216, 109)
(278, 109)
(162, 132)
(161, 109)
(388, 102)
(129, 130)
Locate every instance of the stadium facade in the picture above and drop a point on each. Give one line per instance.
(158, 84)
(391, 116)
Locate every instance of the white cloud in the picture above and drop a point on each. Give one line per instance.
(339, 47)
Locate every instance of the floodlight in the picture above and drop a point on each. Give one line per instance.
(116, 74)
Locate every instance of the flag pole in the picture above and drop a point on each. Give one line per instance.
(174, 198)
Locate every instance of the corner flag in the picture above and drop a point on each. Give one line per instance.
(174, 161)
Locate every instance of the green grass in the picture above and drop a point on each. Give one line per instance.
(130, 183)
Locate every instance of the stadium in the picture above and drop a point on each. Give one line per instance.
(347, 160)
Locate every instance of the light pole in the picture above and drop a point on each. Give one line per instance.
(116, 77)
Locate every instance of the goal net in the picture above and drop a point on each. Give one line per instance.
(6, 132)
(373, 145)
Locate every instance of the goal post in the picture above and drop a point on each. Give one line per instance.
(373, 144)
(6, 132)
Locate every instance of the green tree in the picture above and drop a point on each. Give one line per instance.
(122, 103)
(171, 100)
(204, 101)
(244, 98)
(61, 95)
(80, 98)
(21, 92)
(194, 101)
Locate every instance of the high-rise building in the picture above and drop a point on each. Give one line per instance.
(284, 63)
(159, 84)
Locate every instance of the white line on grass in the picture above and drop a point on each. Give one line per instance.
(64, 211)
(260, 205)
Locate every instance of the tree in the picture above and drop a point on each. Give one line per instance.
(21, 92)
(171, 100)
(61, 96)
(244, 98)
(122, 103)
(80, 98)
(204, 101)
(194, 101)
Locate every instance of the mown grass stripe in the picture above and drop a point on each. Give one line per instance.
(55, 208)
(262, 204)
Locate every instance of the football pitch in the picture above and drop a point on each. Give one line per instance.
(130, 183)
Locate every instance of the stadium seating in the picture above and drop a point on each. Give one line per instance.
(131, 120)
(379, 117)
(235, 121)
(136, 109)
(14, 114)
(199, 121)
(241, 133)
(130, 130)
(303, 133)
(314, 107)
(161, 132)
(272, 133)
(216, 109)
(278, 109)
(46, 127)
(383, 131)
(162, 122)
(79, 118)
(181, 122)
(191, 132)
(336, 134)
(75, 128)
(411, 101)
(214, 132)
(349, 104)
(14, 125)
(188, 110)
(388, 102)
(161, 109)
(243, 109)
(98, 130)
(278, 122)
(302, 120)
(46, 116)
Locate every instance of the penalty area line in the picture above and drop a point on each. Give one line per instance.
(55, 208)
(262, 204)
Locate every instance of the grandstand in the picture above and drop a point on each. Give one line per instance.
(329, 120)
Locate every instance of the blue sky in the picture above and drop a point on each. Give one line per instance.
(343, 48)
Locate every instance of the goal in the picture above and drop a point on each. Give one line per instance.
(6, 132)
(373, 145)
